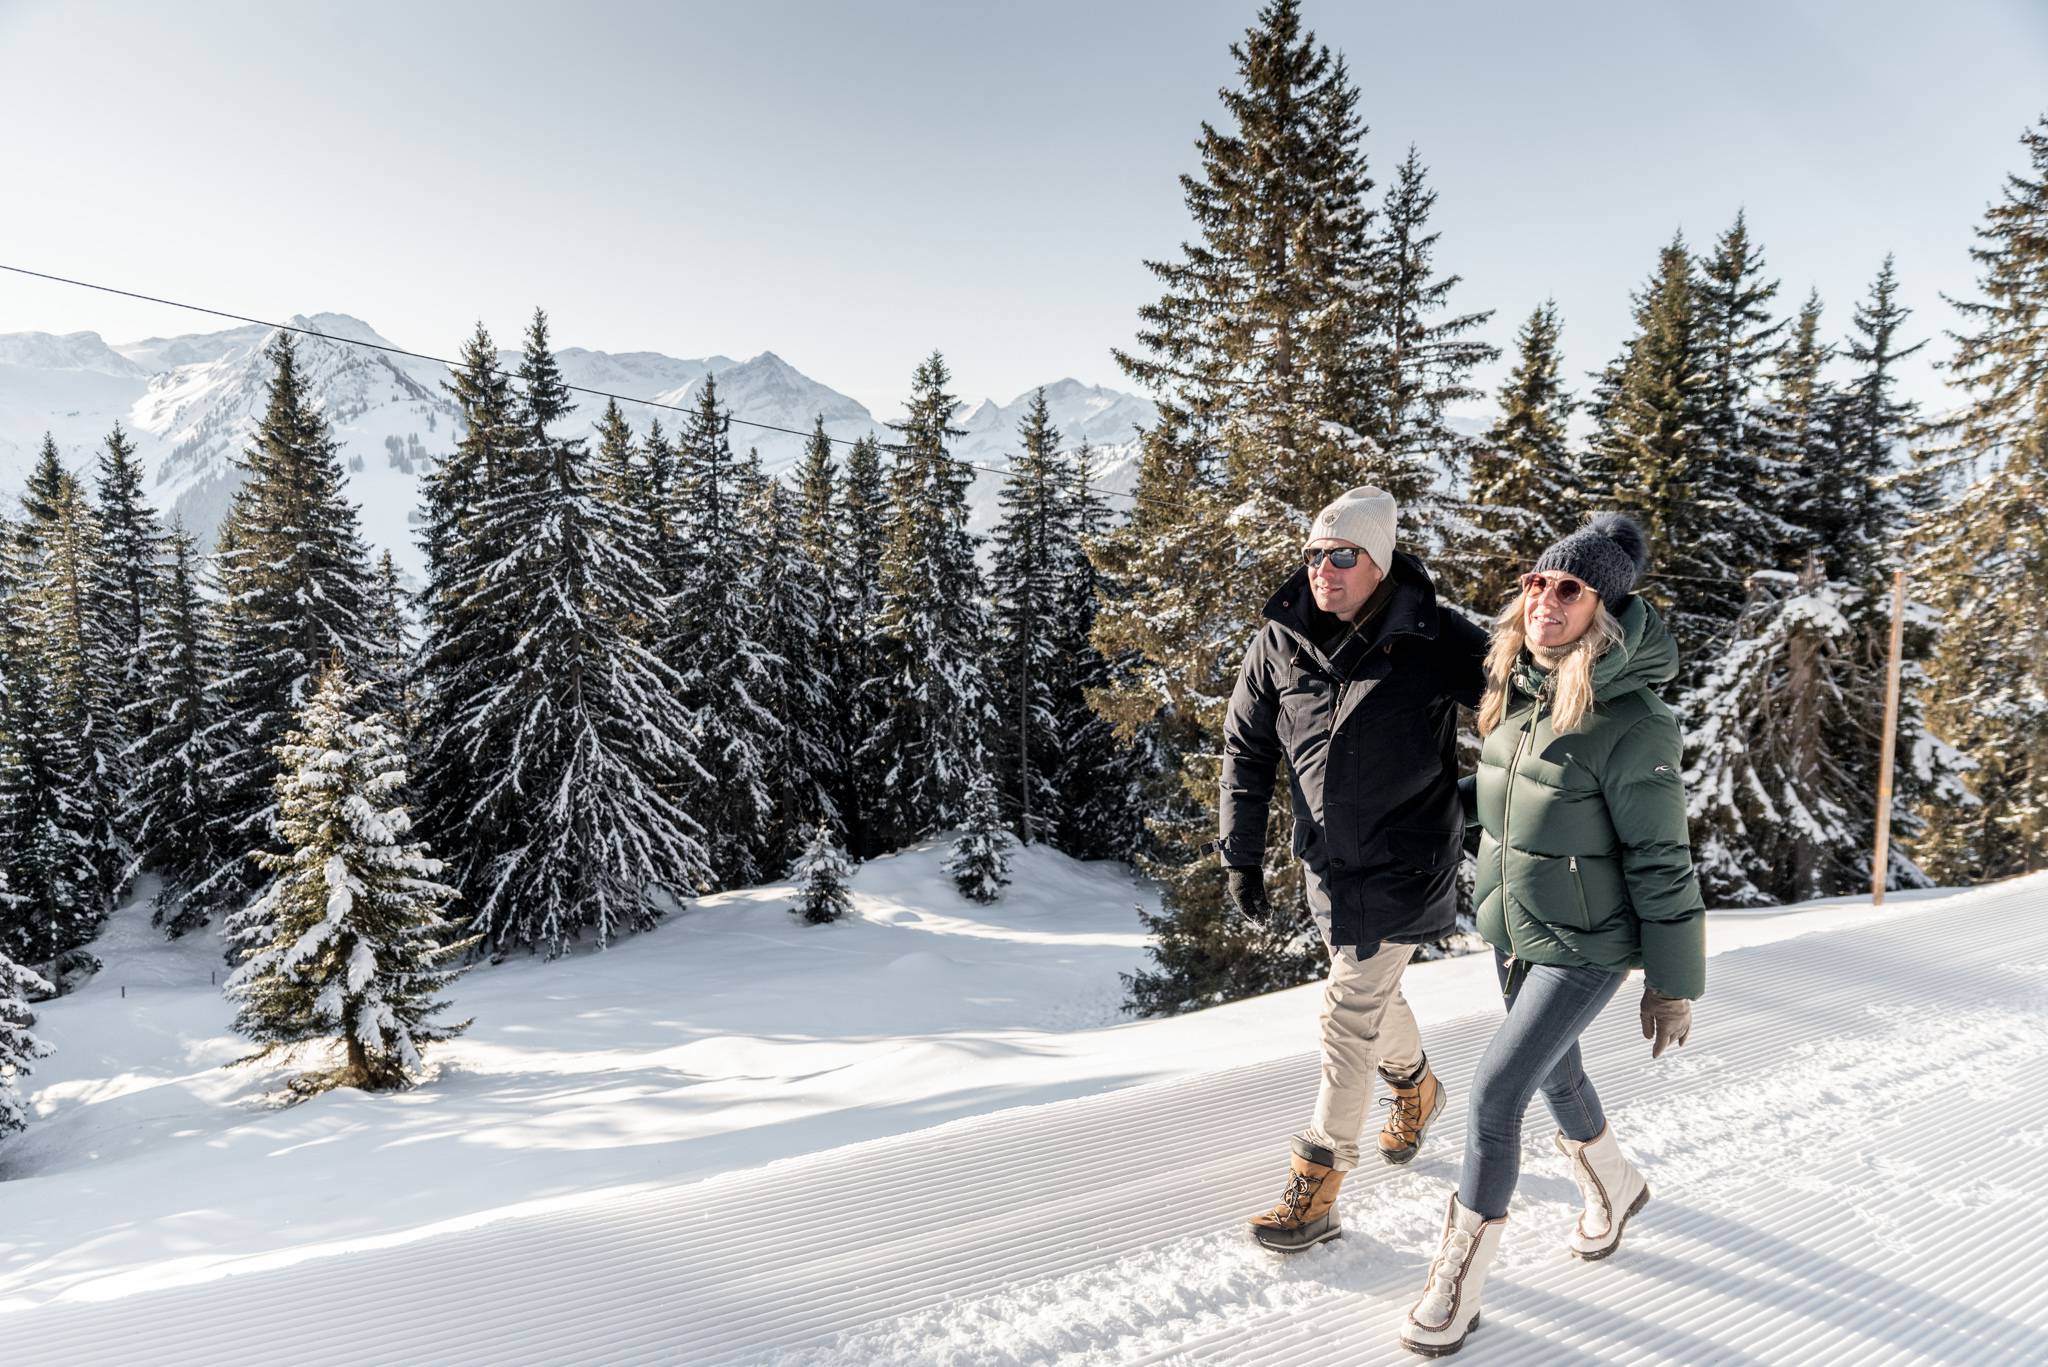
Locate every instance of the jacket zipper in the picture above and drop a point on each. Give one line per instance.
(1579, 886)
(1507, 813)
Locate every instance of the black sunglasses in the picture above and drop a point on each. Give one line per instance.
(1568, 589)
(1343, 557)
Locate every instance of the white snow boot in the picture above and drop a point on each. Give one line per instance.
(1612, 1188)
(1449, 1308)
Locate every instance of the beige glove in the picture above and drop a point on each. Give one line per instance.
(1666, 1020)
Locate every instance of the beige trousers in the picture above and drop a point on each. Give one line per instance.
(1366, 1026)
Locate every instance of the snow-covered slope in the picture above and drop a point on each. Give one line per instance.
(192, 401)
(922, 1137)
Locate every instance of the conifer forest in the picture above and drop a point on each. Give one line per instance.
(641, 670)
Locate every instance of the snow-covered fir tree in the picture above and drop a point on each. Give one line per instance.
(1099, 785)
(46, 851)
(863, 523)
(979, 860)
(1266, 354)
(577, 819)
(928, 684)
(18, 1047)
(294, 574)
(711, 642)
(1807, 465)
(1524, 491)
(347, 941)
(821, 874)
(791, 601)
(60, 546)
(821, 541)
(1862, 509)
(1739, 338)
(388, 661)
(466, 651)
(1427, 359)
(125, 579)
(173, 761)
(1026, 580)
(1289, 346)
(623, 479)
(1779, 811)
(1650, 456)
(1985, 558)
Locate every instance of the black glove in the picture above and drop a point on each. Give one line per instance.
(1247, 896)
(1468, 798)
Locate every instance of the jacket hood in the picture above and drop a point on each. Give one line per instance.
(1647, 657)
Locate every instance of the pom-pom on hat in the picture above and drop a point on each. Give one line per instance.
(1365, 517)
(1609, 553)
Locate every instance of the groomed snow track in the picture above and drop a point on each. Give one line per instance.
(1849, 1164)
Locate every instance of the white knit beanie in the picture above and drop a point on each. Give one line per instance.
(1365, 517)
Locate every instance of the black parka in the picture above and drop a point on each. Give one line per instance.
(1370, 740)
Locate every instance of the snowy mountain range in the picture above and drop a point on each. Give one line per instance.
(192, 401)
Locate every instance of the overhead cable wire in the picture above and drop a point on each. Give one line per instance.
(1151, 500)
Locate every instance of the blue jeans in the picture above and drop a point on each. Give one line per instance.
(1537, 1045)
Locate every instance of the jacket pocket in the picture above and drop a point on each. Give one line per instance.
(1579, 891)
(1421, 848)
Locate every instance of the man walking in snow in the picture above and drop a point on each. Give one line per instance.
(1354, 680)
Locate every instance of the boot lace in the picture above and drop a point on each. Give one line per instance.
(1301, 1189)
(1405, 1124)
(1434, 1309)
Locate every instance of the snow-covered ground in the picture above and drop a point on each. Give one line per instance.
(926, 1135)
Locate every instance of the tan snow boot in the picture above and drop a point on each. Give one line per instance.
(1612, 1188)
(1449, 1307)
(1307, 1212)
(1414, 1105)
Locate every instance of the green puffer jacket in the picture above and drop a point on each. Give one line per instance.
(1584, 858)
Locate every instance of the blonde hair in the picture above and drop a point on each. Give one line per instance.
(1571, 695)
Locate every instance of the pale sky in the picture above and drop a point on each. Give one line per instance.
(852, 185)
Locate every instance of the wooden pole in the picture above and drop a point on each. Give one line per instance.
(1882, 859)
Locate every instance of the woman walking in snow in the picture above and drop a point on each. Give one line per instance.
(1585, 871)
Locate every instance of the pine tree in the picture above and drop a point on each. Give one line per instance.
(586, 741)
(1985, 559)
(821, 875)
(823, 539)
(864, 537)
(466, 651)
(1427, 364)
(125, 581)
(1738, 339)
(46, 853)
(928, 686)
(1030, 558)
(1268, 326)
(174, 760)
(1524, 490)
(345, 941)
(1780, 806)
(18, 1048)
(711, 644)
(60, 551)
(1651, 456)
(48, 858)
(388, 661)
(979, 860)
(1871, 424)
(791, 603)
(1099, 783)
(294, 573)
(1809, 471)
